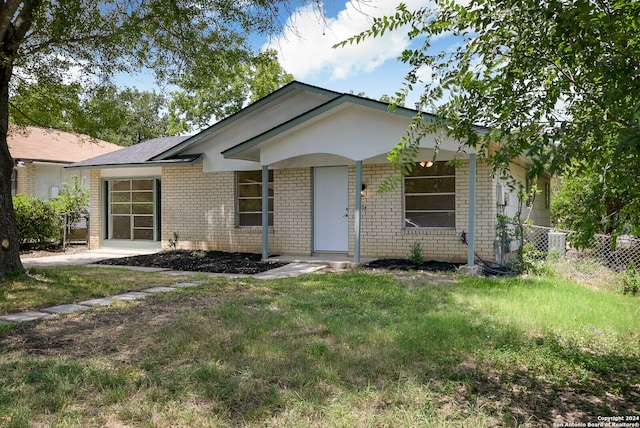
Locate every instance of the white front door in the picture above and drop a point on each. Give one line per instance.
(331, 209)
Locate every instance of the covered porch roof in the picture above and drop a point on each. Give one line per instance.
(347, 127)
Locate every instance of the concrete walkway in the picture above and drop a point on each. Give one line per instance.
(89, 257)
(80, 258)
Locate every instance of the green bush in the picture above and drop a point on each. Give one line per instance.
(39, 223)
(529, 260)
(629, 281)
(71, 202)
(415, 254)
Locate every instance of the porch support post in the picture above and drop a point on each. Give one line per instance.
(265, 211)
(471, 237)
(357, 214)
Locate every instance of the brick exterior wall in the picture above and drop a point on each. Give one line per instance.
(382, 231)
(201, 208)
(293, 211)
(95, 204)
(27, 179)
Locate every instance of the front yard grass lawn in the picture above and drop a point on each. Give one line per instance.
(42, 287)
(350, 349)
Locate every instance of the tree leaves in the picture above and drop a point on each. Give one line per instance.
(556, 81)
(207, 96)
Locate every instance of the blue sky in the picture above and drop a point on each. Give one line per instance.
(305, 48)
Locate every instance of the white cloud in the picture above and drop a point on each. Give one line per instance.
(305, 47)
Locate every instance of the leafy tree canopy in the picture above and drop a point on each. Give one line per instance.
(122, 117)
(556, 81)
(41, 39)
(207, 97)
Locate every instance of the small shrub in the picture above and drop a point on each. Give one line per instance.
(629, 281)
(38, 222)
(173, 241)
(415, 255)
(530, 260)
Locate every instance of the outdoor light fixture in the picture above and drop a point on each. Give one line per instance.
(426, 164)
(20, 164)
(363, 190)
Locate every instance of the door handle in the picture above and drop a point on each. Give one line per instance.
(347, 213)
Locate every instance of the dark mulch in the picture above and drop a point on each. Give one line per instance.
(404, 264)
(199, 261)
(249, 263)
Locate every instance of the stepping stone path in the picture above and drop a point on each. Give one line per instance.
(24, 316)
(103, 301)
(88, 304)
(65, 309)
(289, 270)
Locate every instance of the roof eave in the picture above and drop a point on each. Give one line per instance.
(236, 151)
(293, 86)
(145, 164)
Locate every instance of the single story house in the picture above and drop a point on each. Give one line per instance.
(296, 173)
(40, 155)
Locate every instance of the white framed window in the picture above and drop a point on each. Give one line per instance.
(430, 196)
(132, 209)
(249, 198)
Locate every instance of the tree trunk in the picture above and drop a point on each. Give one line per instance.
(9, 247)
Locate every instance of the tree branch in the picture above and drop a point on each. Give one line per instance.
(26, 116)
(582, 90)
(7, 10)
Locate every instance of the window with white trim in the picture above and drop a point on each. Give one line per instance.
(249, 198)
(430, 196)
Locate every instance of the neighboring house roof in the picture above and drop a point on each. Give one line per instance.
(139, 154)
(50, 145)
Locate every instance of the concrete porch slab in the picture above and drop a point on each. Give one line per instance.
(336, 261)
(290, 270)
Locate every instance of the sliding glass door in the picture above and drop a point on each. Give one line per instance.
(133, 209)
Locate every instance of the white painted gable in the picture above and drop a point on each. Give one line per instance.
(258, 120)
(301, 126)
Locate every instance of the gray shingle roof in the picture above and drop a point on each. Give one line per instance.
(137, 154)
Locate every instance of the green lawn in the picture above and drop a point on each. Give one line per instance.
(40, 288)
(334, 350)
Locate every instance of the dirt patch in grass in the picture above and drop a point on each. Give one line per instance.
(99, 332)
(199, 261)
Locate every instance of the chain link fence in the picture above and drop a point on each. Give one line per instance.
(545, 241)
